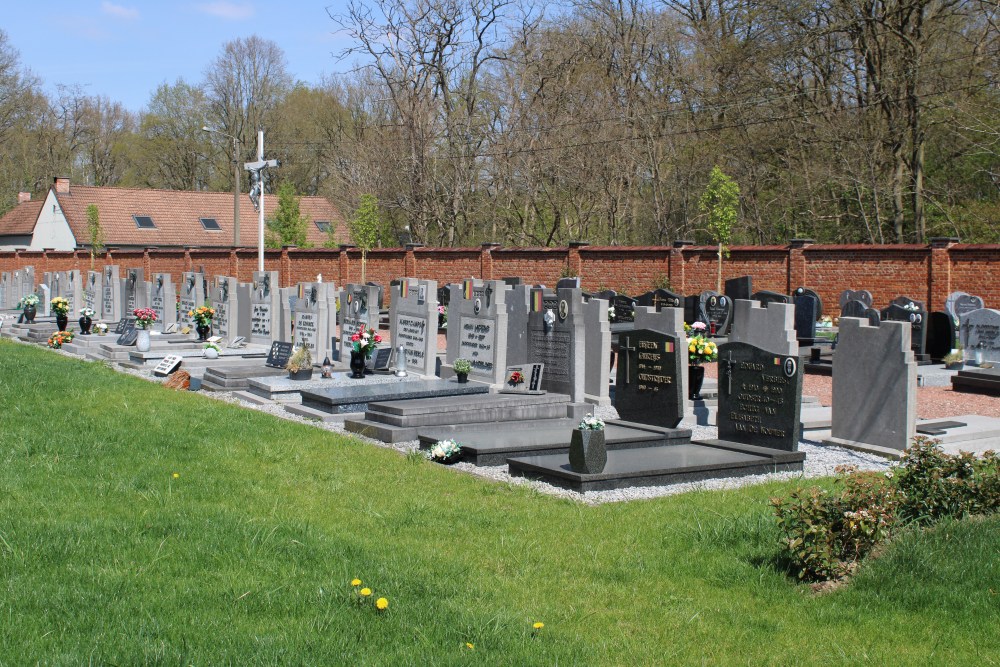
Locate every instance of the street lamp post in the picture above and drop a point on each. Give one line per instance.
(236, 183)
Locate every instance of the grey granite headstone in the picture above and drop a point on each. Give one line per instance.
(44, 299)
(265, 308)
(850, 295)
(771, 328)
(163, 301)
(980, 331)
(874, 387)
(557, 338)
(668, 321)
(413, 323)
(4, 286)
(135, 290)
(960, 303)
(314, 323)
(73, 292)
(760, 395)
(231, 300)
(478, 325)
(358, 308)
(192, 295)
(112, 308)
(648, 388)
(28, 284)
(93, 290)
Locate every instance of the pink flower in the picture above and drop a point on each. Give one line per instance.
(378, 339)
(355, 338)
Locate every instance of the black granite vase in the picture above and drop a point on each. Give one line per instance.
(588, 452)
(357, 364)
(203, 331)
(62, 321)
(696, 376)
(29, 313)
(85, 324)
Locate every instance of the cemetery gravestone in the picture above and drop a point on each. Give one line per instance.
(92, 292)
(136, 293)
(850, 295)
(192, 296)
(129, 333)
(265, 308)
(73, 292)
(980, 332)
(4, 282)
(413, 324)
(669, 321)
(941, 337)
(873, 317)
(805, 291)
(163, 301)
(765, 297)
(660, 299)
(44, 296)
(624, 308)
(718, 313)
(760, 397)
(874, 387)
(379, 298)
(279, 354)
(648, 388)
(805, 319)
(557, 338)
(111, 301)
(739, 288)
(568, 283)
(916, 316)
(231, 301)
(358, 308)
(692, 309)
(854, 308)
(771, 329)
(478, 321)
(28, 285)
(961, 303)
(907, 302)
(313, 320)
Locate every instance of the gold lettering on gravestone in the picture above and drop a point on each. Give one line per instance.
(755, 401)
(649, 364)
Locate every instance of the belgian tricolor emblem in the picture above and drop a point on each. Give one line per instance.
(467, 289)
(536, 301)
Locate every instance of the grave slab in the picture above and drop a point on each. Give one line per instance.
(357, 397)
(977, 434)
(659, 466)
(977, 381)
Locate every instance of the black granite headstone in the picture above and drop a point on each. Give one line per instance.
(444, 295)
(129, 336)
(917, 319)
(941, 337)
(874, 319)
(805, 291)
(719, 312)
(624, 308)
(606, 294)
(905, 301)
(569, 283)
(124, 324)
(660, 299)
(739, 288)
(279, 354)
(805, 319)
(648, 384)
(854, 308)
(765, 297)
(381, 358)
(703, 300)
(760, 397)
(513, 281)
(850, 295)
(692, 309)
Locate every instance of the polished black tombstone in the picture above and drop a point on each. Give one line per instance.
(660, 299)
(765, 297)
(739, 288)
(805, 291)
(805, 319)
(859, 295)
(624, 309)
(941, 339)
(648, 387)
(718, 313)
(917, 317)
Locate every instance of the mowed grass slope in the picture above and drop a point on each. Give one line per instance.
(247, 555)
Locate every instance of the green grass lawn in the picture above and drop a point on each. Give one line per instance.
(246, 557)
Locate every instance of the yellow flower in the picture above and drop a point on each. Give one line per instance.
(365, 592)
(355, 582)
(176, 475)
(538, 626)
(470, 646)
(381, 604)
(190, 313)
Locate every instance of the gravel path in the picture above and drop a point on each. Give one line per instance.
(933, 402)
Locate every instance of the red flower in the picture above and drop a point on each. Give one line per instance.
(378, 339)
(355, 338)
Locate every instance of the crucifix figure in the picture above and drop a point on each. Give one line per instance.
(729, 374)
(626, 348)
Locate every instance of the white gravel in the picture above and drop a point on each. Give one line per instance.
(820, 460)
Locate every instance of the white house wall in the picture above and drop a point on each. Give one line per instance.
(51, 230)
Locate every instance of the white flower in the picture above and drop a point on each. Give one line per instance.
(888, 474)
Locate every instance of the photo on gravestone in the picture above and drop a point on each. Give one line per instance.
(413, 319)
(278, 355)
(760, 397)
(910, 311)
(648, 387)
(908, 302)
(719, 311)
(555, 338)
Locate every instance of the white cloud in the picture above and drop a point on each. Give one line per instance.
(119, 11)
(228, 10)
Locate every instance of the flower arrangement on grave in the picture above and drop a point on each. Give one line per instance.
(300, 360)
(144, 317)
(591, 423)
(202, 315)
(59, 305)
(28, 300)
(701, 350)
(516, 378)
(462, 366)
(101, 328)
(60, 338)
(445, 451)
(611, 313)
(212, 346)
(365, 340)
(87, 312)
(442, 315)
(697, 329)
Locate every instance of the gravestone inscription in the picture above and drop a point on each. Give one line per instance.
(92, 291)
(111, 301)
(413, 324)
(660, 299)
(648, 388)
(163, 300)
(624, 308)
(760, 397)
(265, 308)
(718, 311)
(192, 296)
(980, 332)
(279, 354)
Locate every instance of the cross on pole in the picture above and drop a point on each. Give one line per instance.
(257, 170)
(626, 348)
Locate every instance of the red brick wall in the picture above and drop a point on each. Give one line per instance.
(919, 271)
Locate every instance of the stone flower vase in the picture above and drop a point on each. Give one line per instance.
(29, 314)
(588, 452)
(210, 353)
(203, 331)
(85, 324)
(696, 376)
(62, 321)
(357, 364)
(142, 340)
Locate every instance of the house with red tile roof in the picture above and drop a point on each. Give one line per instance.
(139, 218)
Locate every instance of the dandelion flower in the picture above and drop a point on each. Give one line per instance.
(538, 626)
(470, 646)
(176, 475)
(365, 592)
(355, 582)
(381, 604)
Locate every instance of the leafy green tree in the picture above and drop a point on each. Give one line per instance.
(366, 228)
(94, 233)
(288, 226)
(720, 201)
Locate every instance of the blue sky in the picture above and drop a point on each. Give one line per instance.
(124, 49)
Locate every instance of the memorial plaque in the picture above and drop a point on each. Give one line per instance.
(648, 388)
(260, 320)
(850, 295)
(413, 324)
(170, 363)
(307, 331)
(129, 335)
(124, 324)
(279, 354)
(381, 358)
(965, 304)
(523, 379)
(760, 397)
(477, 344)
(237, 343)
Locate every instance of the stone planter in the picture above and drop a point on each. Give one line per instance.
(142, 340)
(210, 353)
(303, 374)
(588, 452)
(463, 378)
